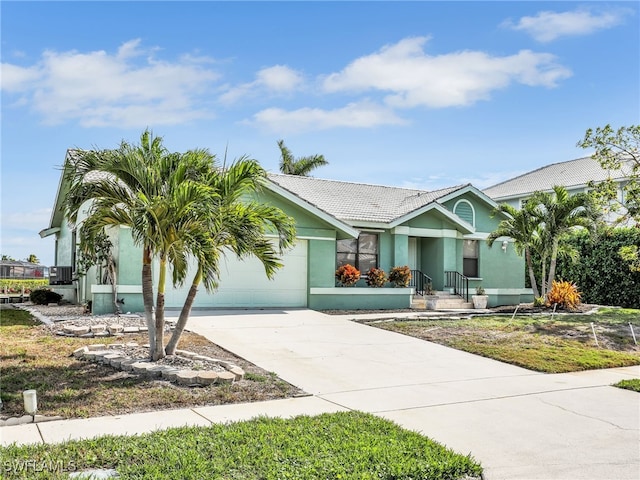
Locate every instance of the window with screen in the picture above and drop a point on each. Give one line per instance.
(470, 258)
(361, 252)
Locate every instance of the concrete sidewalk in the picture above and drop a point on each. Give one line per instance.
(519, 424)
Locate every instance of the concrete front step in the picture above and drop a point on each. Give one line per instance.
(440, 301)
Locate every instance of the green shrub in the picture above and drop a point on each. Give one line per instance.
(15, 285)
(44, 296)
(605, 278)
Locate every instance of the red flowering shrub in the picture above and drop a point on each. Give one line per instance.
(376, 277)
(400, 276)
(347, 275)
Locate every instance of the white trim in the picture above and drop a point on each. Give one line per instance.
(439, 208)
(473, 210)
(508, 291)
(358, 291)
(426, 232)
(120, 288)
(48, 231)
(303, 237)
(469, 189)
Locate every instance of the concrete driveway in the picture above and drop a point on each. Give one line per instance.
(519, 424)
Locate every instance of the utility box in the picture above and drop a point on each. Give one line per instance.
(60, 275)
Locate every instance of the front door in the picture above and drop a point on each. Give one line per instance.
(413, 253)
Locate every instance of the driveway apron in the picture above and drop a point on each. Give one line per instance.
(519, 424)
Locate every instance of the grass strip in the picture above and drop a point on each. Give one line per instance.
(633, 384)
(345, 445)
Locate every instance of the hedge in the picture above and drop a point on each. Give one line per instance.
(602, 276)
(14, 285)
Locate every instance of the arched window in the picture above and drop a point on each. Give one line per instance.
(465, 211)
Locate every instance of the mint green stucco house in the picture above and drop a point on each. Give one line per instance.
(440, 234)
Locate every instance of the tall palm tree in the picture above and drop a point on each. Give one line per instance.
(131, 186)
(178, 206)
(298, 166)
(522, 226)
(232, 223)
(559, 212)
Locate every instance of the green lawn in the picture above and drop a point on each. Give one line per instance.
(348, 445)
(564, 344)
(633, 384)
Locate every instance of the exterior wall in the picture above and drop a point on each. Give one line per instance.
(64, 241)
(322, 263)
(355, 298)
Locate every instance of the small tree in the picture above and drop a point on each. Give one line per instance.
(96, 250)
(32, 258)
(618, 150)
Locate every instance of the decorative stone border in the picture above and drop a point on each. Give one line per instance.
(98, 330)
(111, 355)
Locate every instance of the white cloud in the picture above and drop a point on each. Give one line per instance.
(414, 78)
(440, 180)
(355, 115)
(278, 79)
(130, 88)
(548, 26)
(33, 219)
(18, 79)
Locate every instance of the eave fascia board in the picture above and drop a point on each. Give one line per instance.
(464, 226)
(296, 200)
(469, 189)
(48, 231)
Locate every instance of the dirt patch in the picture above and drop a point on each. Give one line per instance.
(36, 357)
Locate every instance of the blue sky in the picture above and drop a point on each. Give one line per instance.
(416, 94)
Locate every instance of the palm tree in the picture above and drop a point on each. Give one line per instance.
(178, 206)
(301, 166)
(130, 186)
(522, 226)
(234, 224)
(558, 213)
(33, 258)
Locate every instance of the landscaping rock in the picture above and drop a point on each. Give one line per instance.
(170, 374)
(130, 330)
(226, 377)
(99, 346)
(79, 352)
(207, 378)
(98, 328)
(115, 328)
(187, 377)
(237, 371)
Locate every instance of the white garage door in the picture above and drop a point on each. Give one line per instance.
(244, 284)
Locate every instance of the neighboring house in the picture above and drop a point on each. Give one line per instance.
(336, 222)
(574, 175)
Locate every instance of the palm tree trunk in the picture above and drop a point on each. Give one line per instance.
(554, 261)
(184, 315)
(147, 296)
(113, 279)
(544, 276)
(158, 347)
(532, 275)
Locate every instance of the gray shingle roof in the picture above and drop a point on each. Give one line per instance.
(358, 201)
(568, 174)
